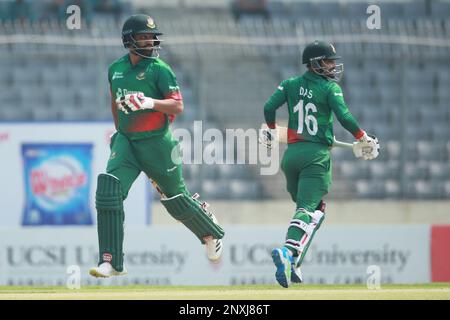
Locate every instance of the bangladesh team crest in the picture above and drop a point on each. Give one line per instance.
(333, 48)
(151, 23)
(141, 76)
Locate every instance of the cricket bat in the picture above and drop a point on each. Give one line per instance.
(282, 137)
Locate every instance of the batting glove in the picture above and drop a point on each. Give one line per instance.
(367, 147)
(267, 137)
(134, 102)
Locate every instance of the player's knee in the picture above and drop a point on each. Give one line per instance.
(125, 186)
(109, 192)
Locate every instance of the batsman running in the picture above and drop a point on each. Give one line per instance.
(311, 99)
(145, 99)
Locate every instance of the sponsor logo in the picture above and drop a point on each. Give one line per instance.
(35, 255)
(338, 94)
(57, 184)
(107, 257)
(117, 75)
(123, 92)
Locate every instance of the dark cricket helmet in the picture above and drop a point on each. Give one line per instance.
(317, 51)
(140, 24)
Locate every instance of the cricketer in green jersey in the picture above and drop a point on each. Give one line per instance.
(311, 101)
(145, 99)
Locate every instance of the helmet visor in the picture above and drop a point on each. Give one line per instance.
(333, 72)
(145, 47)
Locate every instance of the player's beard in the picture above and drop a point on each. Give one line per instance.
(145, 52)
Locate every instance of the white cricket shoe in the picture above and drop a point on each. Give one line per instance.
(214, 248)
(105, 270)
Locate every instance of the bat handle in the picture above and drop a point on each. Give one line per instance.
(341, 144)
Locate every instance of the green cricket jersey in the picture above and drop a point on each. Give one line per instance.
(311, 99)
(154, 78)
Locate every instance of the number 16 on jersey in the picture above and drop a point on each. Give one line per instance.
(306, 117)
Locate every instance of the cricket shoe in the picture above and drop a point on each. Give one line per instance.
(282, 258)
(317, 217)
(214, 247)
(106, 270)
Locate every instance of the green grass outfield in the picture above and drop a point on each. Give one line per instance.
(249, 292)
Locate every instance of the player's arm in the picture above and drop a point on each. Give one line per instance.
(114, 108)
(138, 101)
(343, 115)
(276, 100)
(113, 99)
(267, 136)
(367, 146)
(172, 104)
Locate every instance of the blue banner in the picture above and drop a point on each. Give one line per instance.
(57, 184)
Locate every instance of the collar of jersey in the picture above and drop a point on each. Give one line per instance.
(313, 76)
(142, 62)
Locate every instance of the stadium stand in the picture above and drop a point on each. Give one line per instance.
(395, 80)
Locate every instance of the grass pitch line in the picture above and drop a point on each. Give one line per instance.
(306, 292)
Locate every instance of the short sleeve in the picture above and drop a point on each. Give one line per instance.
(167, 83)
(276, 100)
(340, 109)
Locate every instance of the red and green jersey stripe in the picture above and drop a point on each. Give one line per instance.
(154, 78)
(311, 101)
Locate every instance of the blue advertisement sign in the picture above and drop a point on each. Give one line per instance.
(57, 184)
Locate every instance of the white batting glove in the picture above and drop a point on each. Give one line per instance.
(367, 147)
(267, 137)
(134, 102)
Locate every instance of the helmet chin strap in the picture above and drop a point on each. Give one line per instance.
(135, 49)
(329, 73)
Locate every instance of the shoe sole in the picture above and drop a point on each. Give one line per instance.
(280, 275)
(215, 261)
(97, 274)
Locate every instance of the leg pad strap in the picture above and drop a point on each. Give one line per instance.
(309, 229)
